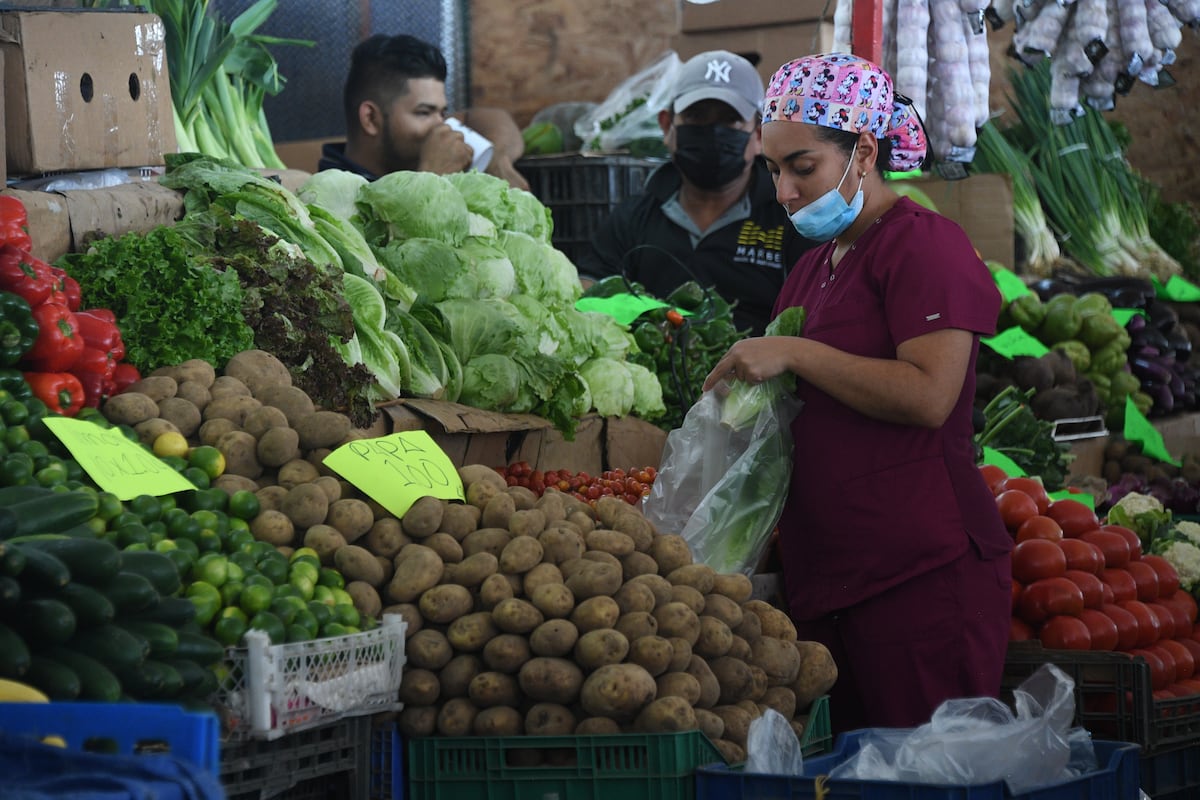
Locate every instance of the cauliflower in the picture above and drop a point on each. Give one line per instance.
(1133, 504)
(1188, 530)
(1185, 558)
(1143, 514)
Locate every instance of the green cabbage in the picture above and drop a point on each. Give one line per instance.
(485, 195)
(491, 381)
(334, 190)
(610, 384)
(404, 205)
(541, 270)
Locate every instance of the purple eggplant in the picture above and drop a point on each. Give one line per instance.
(1151, 370)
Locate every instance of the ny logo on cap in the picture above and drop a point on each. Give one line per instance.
(718, 71)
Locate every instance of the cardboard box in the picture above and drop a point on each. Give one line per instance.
(84, 90)
(303, 154)
(1181, 434)
(766, 47)
(713, 16)
(632, 443)
(983, 206)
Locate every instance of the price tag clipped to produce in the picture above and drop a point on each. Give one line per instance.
(997, 459)
(1014, 342)
(1178, 289)
(397, 470)
(623, 307)
(1087, 498)
(1139, 429)
(115, 463)
(1011, 287)
(1123, 315)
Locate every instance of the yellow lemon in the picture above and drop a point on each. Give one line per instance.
(170, 444)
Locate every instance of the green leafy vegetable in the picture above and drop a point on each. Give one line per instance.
(746, 401)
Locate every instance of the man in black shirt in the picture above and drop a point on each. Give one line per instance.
(710, 213)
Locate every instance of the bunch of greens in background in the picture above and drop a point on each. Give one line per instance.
(1011, 428)
(220, 73)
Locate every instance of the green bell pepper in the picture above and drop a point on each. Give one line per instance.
(1027, 311)
(18, 328)
(1061, 322)
(1092, 302)
(1098, 329)
(1110, 358)
(13, 382)
(1078, 352)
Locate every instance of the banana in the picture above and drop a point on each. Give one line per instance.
(17, 692)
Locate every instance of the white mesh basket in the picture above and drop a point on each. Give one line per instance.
(270, 690)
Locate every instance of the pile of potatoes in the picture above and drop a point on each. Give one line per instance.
(526, 614)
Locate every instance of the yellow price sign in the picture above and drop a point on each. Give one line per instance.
(116, 464)
(397, 470)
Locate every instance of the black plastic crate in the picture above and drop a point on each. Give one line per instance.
(1172, 774)
(387, 763)
(331, 761)
(1113, 696)
(582, 190)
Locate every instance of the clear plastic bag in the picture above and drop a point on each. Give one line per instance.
(630, 112)
(980, 740)
(722, 489)
(772, 747)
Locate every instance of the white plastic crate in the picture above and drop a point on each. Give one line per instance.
(270, 690)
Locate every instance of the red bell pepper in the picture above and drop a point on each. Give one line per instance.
(60, 391)
(98, 327)
(96, 388)
(94, 362)
(58, 344)
(22, 274)
(69, 287)
(124, 376)
(14, 223)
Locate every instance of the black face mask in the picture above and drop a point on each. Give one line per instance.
(710, 156)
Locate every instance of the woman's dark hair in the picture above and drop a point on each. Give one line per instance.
(381, 66)
(845, 141)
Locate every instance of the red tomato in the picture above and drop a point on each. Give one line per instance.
(1185, 662)
(1015, 507)
(993, 476)
(1168, 578)
(1146, 579)
(1184, 600)
(1016, 592)
(1031, 487)
(1121, 582)
(1160, 676)
(1039, 527)
(1065, 633)
(1127, 626)
(1020, 631)
(1166, 621)
(1113, 545)
(1034, 559)
(1108, 592)
(1090, 585)
(1179, 617)
(1101, 628)
(1073, 516)
(1192, 646)
(1149, 630)
(1135, 544)
(1049, 597)
(1168, 660)
(1081, 555)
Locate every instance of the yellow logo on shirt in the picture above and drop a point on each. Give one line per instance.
(752, 235)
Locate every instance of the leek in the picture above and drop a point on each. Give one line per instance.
(746, 401)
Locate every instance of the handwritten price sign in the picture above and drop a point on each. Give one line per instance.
(115, 463)
(397, 470)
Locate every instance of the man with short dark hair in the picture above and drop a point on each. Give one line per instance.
(396, 112)
(710, 213)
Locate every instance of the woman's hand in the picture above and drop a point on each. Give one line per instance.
(755, 360)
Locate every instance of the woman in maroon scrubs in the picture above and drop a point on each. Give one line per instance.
(894, 555)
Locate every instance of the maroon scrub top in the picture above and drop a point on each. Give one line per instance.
(873, 504)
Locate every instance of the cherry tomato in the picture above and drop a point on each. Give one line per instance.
(1127, 625)
(1149, 630)
(1089, 585)
(1020, 631)
(1039, 527)
(1101, 628)
(1081, 555)
(1015, 507)
(1031, 487)
(993, 476)
(1168, 578)
(1160, 677)
(1034, 559)
(1166, 621)
(1122, 584)
(1065, 633)
(1146, 579)
(1135, 544)
(1073, 516)
(1113, 545)
(1049, 597)
(1185, 662)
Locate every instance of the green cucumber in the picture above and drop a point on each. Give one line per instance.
(115, 648)
(157, 568)
(56, 679)
(88, 604)
(163, 639)
(90, 561)
(173, 611)
(129, 591)
(152, 680)
(197, 680)
(10, 591)
(199, 647)
(14, 654)
(44, 620)
(96, 681)
(12, 495)
(12, 562)
(42, 570)
(57, 512)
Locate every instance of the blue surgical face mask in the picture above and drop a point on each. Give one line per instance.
(830, 214)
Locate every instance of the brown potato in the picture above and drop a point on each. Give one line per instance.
(494, 589)
(156, 387)
(238, 447)
(599, 647)
(715, 638)
(291, 400)
(498, 721)
(782, 699)
(607, 541)
(423, 518)
(445, 603)
(419, 687)
(258, 370)
(609, 507)
(775, 623)
(497, 511)
(681, 654)
(195, 393)
(229, 406)
(637, 528)
(521, 554)
(597, 726)
(428, 649)
(385, 538)
(817, 673)
(506, 653)
(194, 369)
(212, 430)
(480, 493)
(352, 517)
(633, 597)
(332, 488)
(489, 689)
(297, 472)
(723, 608)
(228, 386)
(322, 429)
(326, 541)
(523, 497)
(652, 653)
(263, 419)
(409, 613)
(698, 576)
(389, 569)
(273, 527)
(667, 715)
(677, 619)
(357, 564)
(637, 624)
(678, 684)
(736, 587)
(732, 753)
(490, 540)
(554, 637)
(456, 717)
(277, 447)
(595, 613)
(480, 473)
(550, 680)
(470, 632)
(417, 568)
(619, 691)
(549, 719)
(458, 673)
(735, 679)
(554, 600)
(130, 408)
(780, 660)
(594, 580)
(658, 585)
(737, 723)
(671, 552)
(710, 687)
(527, 522)
(710, 724)
(636, 564)
(601, 557)
(515, 615)
(540, 575)
(551, 506)
(446, 546)
(234, 483)
(416, 722)
(459, 519)
(151, 429)
(472, 570)
(689, 597)
(560, 544)
(739, 648)
(365, 597)
(181, 413)
(750, 627)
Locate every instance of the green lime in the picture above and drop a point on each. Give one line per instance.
(209, 541)
(132, 534)
(236, 571)
(181, 558)
(52, 474)
(110, 506)
(275, 569)
(345, 613)
(255, 598)
(333, 629)
(165, 546)
(136, 547)
(305, 570)
(341, 597)
(286, 590)
(282, 607)
(261, 550)
(305, 554)
(302, 584)
(175, 463)
(207, 458)
(245, 562)
(189, 547)
(271, 625)
(298, 633)
(206, 598)
(211, 568)
(231, 592)
(208, 499)
(197, 476)
(258, 579)
(324, 596)
(146, 506)
(320, 612)
(239, 539)
(167, 501)
(244, 504)
(331, 578)
(97, 525)
(229, 631)
(126, 518)
(233, 611)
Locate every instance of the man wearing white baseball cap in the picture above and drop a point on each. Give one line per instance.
(710, 213)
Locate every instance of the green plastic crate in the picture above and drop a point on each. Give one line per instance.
(626, 766)
(818, 735)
